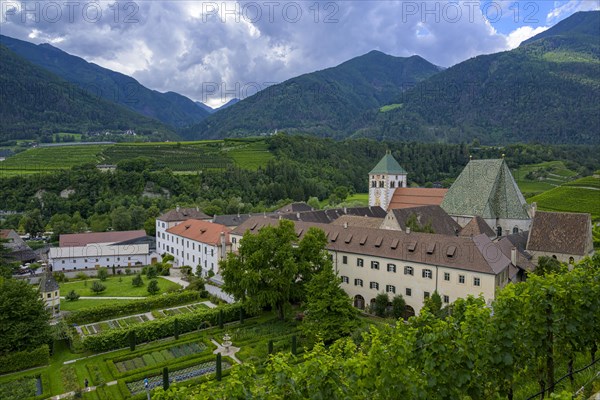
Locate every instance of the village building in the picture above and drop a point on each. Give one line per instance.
(486, 188)
(372, 261)
(197, 243)
(90, 251)
(172, 218)
(50, 293)
(423, 217)
(564, 236)
(18, 250)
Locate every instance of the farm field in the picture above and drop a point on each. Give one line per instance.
(48, 159)
(180, 157)
(116, 288)
(570, 199)
(536, 178)
(176, 156)
(248, 154)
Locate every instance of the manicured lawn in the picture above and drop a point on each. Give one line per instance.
(87, 303)
(114, 288)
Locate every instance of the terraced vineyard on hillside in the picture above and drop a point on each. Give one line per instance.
(180, 156)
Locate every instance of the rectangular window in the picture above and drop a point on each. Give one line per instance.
(374, 285)
(391, 268)
(461, 279)
(204, 250)
(476, 281)
(85, 260)
(107, 259)
(74, 261)
(425, 295)
(446, 276)
(212, 252)
(63, 261)
(344, 259)
(409, 270)
(359, 262)
(427, 274)
(358, 282)
(390, 288)
(408, 291)
(129, 258)
(446, 299)
(345, 279)
(49, 295)
(374, 265)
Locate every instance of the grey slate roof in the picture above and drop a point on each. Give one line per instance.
(232, 220)
(294, 207)
(330, 215)
(47, 283)
(182, 214)
(388, 165)
(486, 188)
(465, 253)
(440, 221)
(560, 232)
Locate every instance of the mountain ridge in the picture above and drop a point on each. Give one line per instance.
(319, 101)
(35, 102)
(170, 108)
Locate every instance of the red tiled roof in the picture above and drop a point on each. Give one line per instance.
(413, 197)
(201, 231)
(477, 226)
(83, 239)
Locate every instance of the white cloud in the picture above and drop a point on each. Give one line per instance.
(521, 34)
(188, 47)
(563, 9)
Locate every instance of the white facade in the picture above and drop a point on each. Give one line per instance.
(364, 277)
(382, 188)
(190, 252)
(94, 256)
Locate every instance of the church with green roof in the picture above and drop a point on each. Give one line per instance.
(384, 179)
(486, 188)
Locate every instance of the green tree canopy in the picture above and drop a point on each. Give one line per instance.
(23, 317)
(329, 313)
(272, 267)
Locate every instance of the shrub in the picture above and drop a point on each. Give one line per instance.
(103, 274)
(100, 313)
(72, 296)
(69, 378)
(158, 329)
(25, 359)
(137, 281)
(97, 287)
(153, 287)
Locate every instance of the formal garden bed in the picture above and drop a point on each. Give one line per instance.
(159, 356)
(180, 375)
(169, 312)
(92, 329)
(23, 388)
(188, 358)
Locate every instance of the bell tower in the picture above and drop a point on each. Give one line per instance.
(384, 179)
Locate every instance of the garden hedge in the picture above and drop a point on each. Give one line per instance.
(100, 313)
(160, 328)
(25, 359)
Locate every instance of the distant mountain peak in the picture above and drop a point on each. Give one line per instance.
(580, 23)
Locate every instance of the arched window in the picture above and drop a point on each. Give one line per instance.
(571, 260)
(359, 302)
(499, 231)
(515, 230)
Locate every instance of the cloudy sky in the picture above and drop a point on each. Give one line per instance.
(212, 51)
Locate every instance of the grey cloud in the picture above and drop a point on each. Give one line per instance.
(172, 47)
